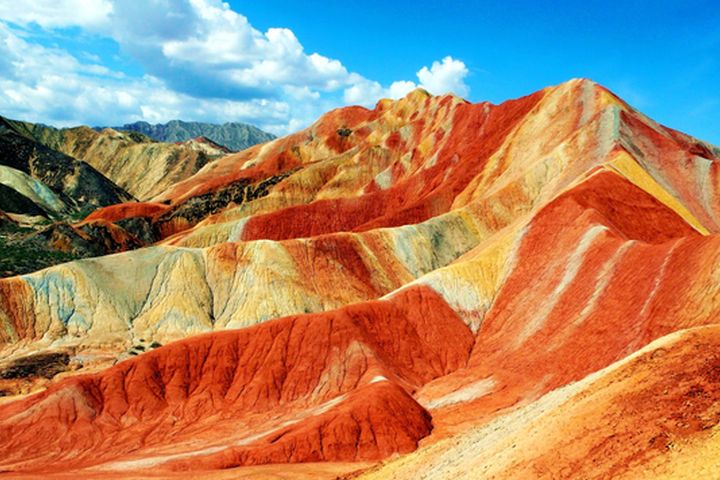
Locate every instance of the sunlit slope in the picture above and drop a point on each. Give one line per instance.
(427, 288)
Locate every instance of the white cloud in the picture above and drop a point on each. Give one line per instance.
(400, 88)
(57, 13)
(202, 61)
(364, 92)
(217, 52)
(49, 85)
(447, 76)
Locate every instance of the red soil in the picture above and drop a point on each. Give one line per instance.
(416, 197)
(206, 389)
(554, 321)
(121, 211)
(646, 409)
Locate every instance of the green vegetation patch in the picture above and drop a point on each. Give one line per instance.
(21, 252)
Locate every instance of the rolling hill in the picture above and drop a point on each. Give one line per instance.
(135, 162)
(420, 290)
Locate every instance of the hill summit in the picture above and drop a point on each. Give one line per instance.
(233, 135)
(423, 289)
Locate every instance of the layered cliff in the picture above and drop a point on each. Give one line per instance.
(135, 162)
(420, 290)
(55, 183)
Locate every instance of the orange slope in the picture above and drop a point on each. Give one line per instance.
(489, 264)
(308, 388)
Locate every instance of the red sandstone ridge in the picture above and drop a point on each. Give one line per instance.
(308, 388)
(419, 290)
(213, 145)
(123, 211)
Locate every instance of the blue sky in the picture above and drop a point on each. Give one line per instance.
(280, 64)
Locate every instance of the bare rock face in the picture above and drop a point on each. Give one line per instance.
(324, 387)
(140, 165)
(233, 136)
(47, 176)
(58, 183)
(421, 290)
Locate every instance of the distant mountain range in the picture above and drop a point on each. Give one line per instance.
(46, 179)
(233, 135)
(135, 162)
(52, 178)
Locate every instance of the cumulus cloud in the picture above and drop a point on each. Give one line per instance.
(49, 85)
(446, 76)
(201, 61)
(205, 49)
(57, 13)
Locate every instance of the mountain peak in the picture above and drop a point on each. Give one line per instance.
(418, 93)
(233, 135)
(395, 286)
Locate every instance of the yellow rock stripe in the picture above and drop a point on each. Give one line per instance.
(625, 165)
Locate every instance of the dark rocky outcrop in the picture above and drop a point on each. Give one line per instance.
(12, 201)
(45, 365)
(76, 182)
(198, 207)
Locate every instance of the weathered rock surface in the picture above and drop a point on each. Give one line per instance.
(425, 289)
(55, 182)
(138, 164)
(306, 388)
